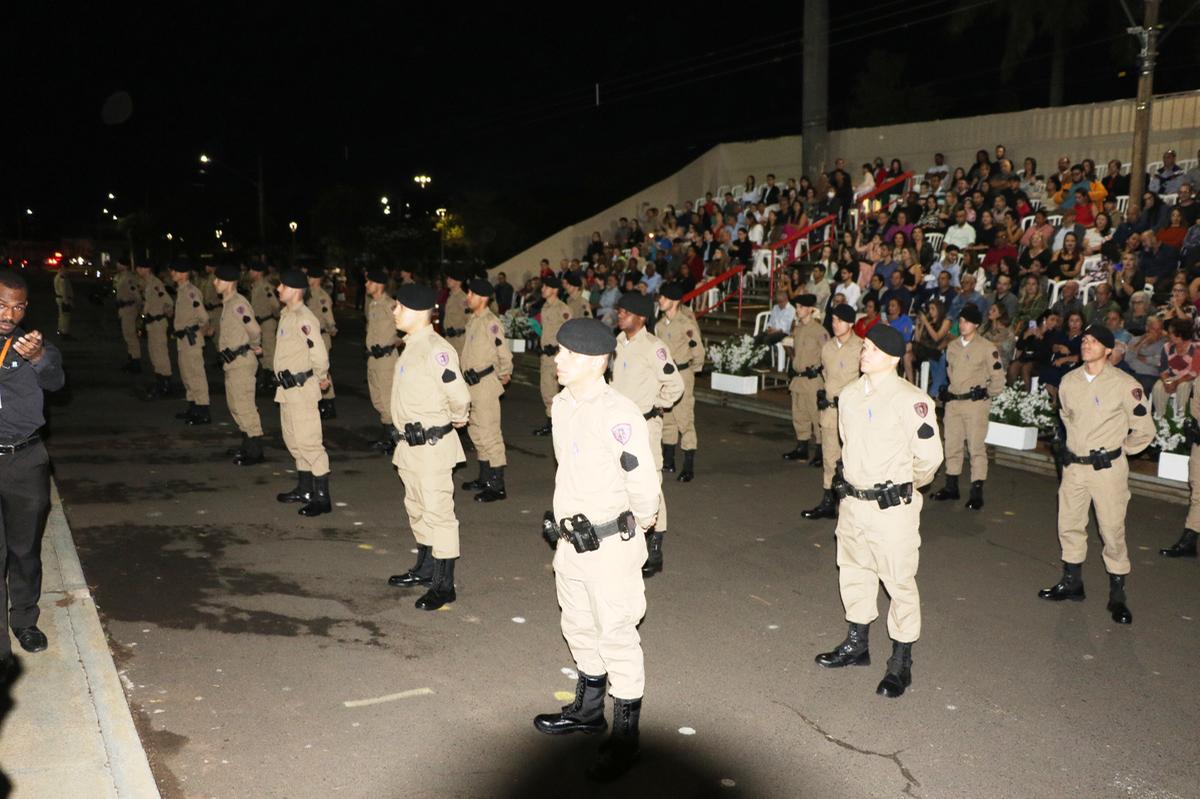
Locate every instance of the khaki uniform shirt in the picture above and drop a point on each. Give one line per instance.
(128, 287)
(554, 314)
(263, 300)
(381, 323)
(644, 372)
(456, 313)
(1111, 412)
(429, 388)
(156, 301)
(238, 326)
(889, 432)
(321, 305)
(298, 348)
(682, 337)
(63, 291)
(485, 346)
(840, 362)
(579, 306)
(189, 308)
(605, 468)
(974, 364)
(807, 342)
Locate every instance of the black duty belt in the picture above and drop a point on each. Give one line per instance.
(229, 356)
(212, 307)
(152, 318)
(378, 351)
(189, 331)
(811, 372)
(976, 393)
(454, 332)
(289, 380)
(550, 349)
(1098, 458)
(126, 303)
(903, 491)
(416, 434)
(682, 366)
(17, 446)
(652, 413)
(262, 319)
(473, 376)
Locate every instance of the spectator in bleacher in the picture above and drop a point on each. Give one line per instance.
(770, 193)
(621, 235)
(985, 232)
(897, 290)
(1171, 234)
(1004, 297)
(1102, 303)
(1067, 262)
(997, 328)
(779, 321)
(750, 191)
(931, 334)
(847, 287)
(922, 250)
(636, 235)
(1065, 346)
(503, 292)
(1068, 301)
(1113, 181)
(941, 291)
(981, 161)
(950, 263)
(1031, 304)
(961, 234)
(1100, 232)
(742, 251)
(1128, 227)
(1001, 248)
(1085, 210)
(874, 292)
(1031, 182)
(931, 218)
(1187, 204)
(1138, 313)
(1033, 351)
(1066, 197)
(1153, 215)
(1143, 354)
(708, 246)
(966, 294)
(1039, 226)
(1169, 177)
(595, 247)
(900, 225)
(606, 308)
(869, 318)
(939, 168)
(651, 281)
(1180, 358)
(1157, 261)
(1178, 306)
(693, 265)
(818, 283)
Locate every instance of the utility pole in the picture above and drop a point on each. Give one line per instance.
(814, 100)
(1148, 36)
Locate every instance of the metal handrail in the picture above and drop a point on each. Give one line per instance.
(712, 283)
(831, 219)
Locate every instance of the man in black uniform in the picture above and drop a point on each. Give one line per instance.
(28, 366)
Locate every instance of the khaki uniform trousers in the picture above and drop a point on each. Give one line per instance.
(156, 344)
(380, 373)
(301, 427)
(874, 546)
(64, 318)
(484, 424)
(599, 620)
(328, 392)
(966, 420)
(655, 426)
(805, 413)
(429, 500)
(1160, 399)
(458, 342)
(129, 317)
(269, 329)
(1107, 489)
(1193, 517)
(549, 381)
(239, 395)
(191, 369)
(679, 422)
(831, 445)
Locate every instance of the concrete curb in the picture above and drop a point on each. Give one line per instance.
(127, 760)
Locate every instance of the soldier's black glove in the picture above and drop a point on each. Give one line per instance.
(550, 529)
(822, 400)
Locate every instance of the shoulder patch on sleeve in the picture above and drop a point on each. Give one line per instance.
(1140, 410)
(495, 329)
(566, 315)
(669, 368)
(921, 408)
(622, 433)
(442, 358)
(629, 461)
(925, 431)
(689, 332)
(304, 329)
(448, 376)
(661, 352)
(241, 309)
(1137, 394)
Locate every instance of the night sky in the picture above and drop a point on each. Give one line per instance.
(352, 100)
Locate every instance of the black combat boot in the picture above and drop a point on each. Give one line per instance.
(975, 500)
(303, 490)
(1069, 587)
(493, 489)
(185, 415)
(620, 752)
(800, 453)
(585, 714)
(252, 452)
(899, 671)
(133, 366)
(1116, 599)
(668, 451)
(689, 461)
(327, 409)
(818, 458)
(441, 589)
(318, 501)
(948, 491)
(654, 559)
(200, 415)
(480, 482)
(545, 429)
(853, 651)
(420, 574)
(1185, 547)
(240, 449)
(826, 510)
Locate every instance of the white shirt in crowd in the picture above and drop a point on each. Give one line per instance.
(960, 235)
(782, 318)
(851, 292)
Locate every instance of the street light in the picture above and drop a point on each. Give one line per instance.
(204, 159)
(422, 180)
(383, 200)
(28, 212)
(112, 196)
(170, 237)
(218, 231)
(441, 212)
(292, 227)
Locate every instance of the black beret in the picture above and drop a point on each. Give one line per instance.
(587, 337)
(378, 275)
(970, 313)
(672, 291)
(293, 278)
(229, 272)
(480, 287)
(574, 279)
(552, 282)
(636, 303)
(315, 270)
(455, 273)
(181, 265)
(806, 300)
(844, 312)
(1101, 334)
(257, 266)
(416, 296)
(888, 339)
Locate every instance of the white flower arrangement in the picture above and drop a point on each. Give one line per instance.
(516, 324)
(736, 356)
(1016, 407)
(1169, 435)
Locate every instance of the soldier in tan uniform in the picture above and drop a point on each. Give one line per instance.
(1185, 547)
(454, 315)
(576, 301)
(554, 314)
(212, 304)
(808, 337)
(679, 331)
(157, 306)
(839, 367)
(643, 371)
(487, 368)
(191, 326)
(976, 375)
(890, 449)
(64, 297)
(382, 347)
(129, 307)
(321, 305)
(265, 304)
(239, 341)
(429, 401)
(302, 366)
(1106, 416)
(606, 493)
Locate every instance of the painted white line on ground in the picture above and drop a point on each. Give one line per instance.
(379, 700)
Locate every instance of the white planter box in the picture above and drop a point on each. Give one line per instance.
(735, 384)
(1173, 467)
(1011, 436)
(516, 344)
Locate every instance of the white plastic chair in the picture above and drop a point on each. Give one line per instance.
(1055, 220)
(778, 354)
(1125, 168)
(935, 241)
(1169, 199)
(1153, 167)
(923, 380)
(1055, 286)
(1187, 164)
(1026, 222)
(1035, 204)
(721, 192)
(1122, 203)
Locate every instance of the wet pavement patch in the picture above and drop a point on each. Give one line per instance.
(84, 491)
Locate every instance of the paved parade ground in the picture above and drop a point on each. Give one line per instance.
(264, 654)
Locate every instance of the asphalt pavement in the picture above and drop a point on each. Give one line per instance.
(264, 655)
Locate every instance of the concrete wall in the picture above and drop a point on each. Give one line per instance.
(1100, 131)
